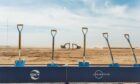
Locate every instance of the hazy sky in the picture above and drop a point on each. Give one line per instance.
(68, 16)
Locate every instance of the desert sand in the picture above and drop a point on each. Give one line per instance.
(66, 56)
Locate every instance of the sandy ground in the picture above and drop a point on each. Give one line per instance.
(66, 56)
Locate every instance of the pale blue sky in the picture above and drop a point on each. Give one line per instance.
(68, 17)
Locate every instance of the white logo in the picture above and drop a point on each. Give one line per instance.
(35, 74)
(100, 74)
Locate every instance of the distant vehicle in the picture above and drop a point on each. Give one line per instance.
(75, 46)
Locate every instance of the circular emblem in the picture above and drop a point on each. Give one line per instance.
(98, 74)
(35, 74)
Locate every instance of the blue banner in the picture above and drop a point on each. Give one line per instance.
(68, 74)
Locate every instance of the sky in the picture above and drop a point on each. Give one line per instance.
(116, 17)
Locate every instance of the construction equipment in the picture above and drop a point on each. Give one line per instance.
(53, 33)
(65, 45)
(132, 49)
(105, 35)
(84, 63)
(19, 62)
(74, 45)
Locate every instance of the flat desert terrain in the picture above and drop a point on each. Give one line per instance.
(66, 56)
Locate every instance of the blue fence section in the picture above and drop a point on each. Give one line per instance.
(69, 74)
(32, 74)
(103, 74)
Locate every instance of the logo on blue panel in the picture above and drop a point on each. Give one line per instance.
(34, 74)
(100, 74)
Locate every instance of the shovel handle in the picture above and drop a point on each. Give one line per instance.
(105, 35)
(84, 30)
(127, 36)
(19, 27)
(53, 32)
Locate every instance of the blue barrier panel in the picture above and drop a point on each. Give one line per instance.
(68, 74)
(103, 74)
(32, 74)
